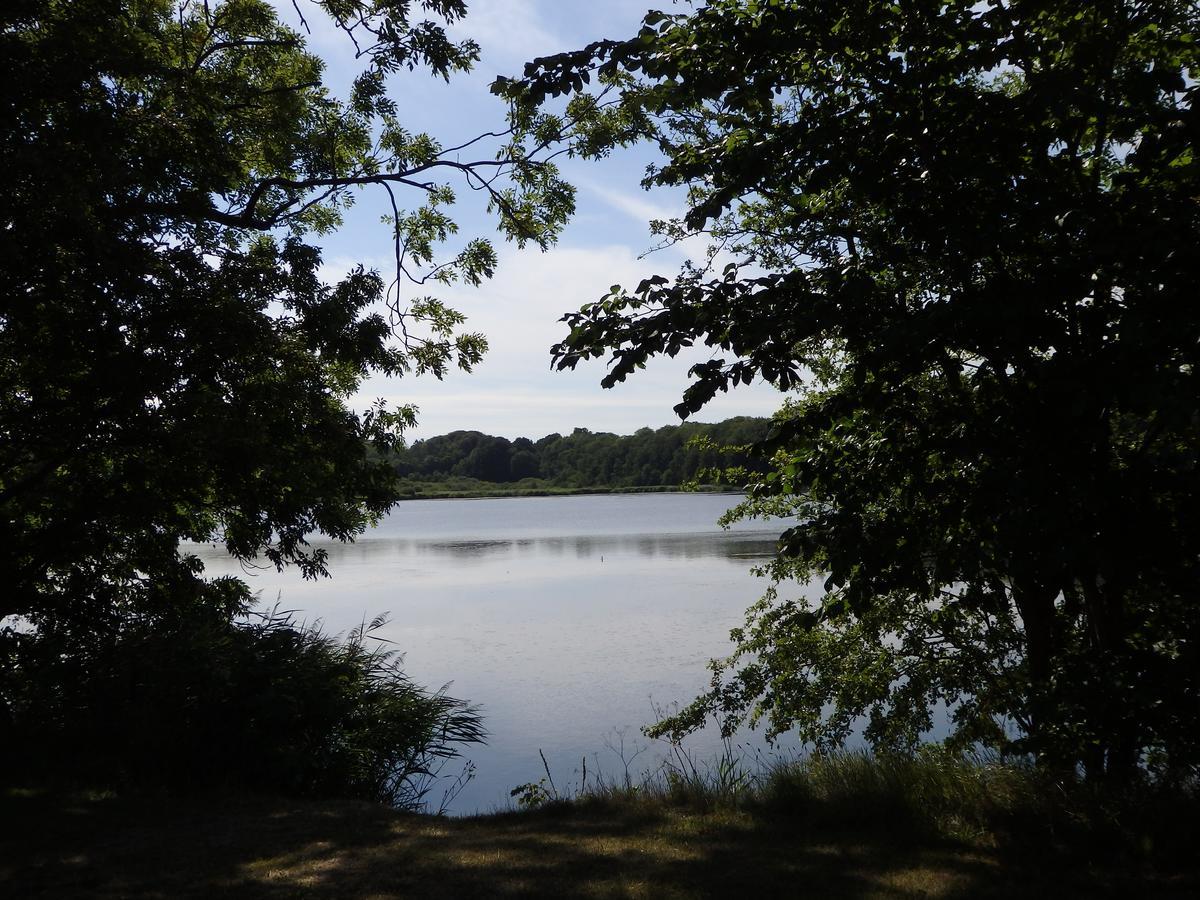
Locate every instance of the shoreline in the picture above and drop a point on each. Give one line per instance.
(484, 494)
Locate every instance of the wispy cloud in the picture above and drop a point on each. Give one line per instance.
(641, 209)
(509, 33)
(514, 392)
(637, 207)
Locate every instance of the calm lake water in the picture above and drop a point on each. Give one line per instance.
(567, 619)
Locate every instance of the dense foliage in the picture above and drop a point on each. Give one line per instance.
(174, 367)
(196, 699)
(966, 233)
(667, 457)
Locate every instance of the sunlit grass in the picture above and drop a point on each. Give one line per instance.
(841, 826)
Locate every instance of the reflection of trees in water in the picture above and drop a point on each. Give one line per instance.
(671, 546)
(461, 548)
(718, 545)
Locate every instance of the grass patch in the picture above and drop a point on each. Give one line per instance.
(264, 848)
(845, 826)
(933, 796)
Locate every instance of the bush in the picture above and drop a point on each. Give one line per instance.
(213, 696)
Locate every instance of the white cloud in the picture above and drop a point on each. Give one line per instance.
(514, 392)
(636, 207)
(509, 33)
(643, 210)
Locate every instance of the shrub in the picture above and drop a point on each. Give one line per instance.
(216, 696)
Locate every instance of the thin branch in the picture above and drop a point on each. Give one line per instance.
(303, 21)
(229, 45)
(477, 139)
(282, 89)
(397, 317)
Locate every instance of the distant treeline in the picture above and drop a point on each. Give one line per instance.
(663, 457)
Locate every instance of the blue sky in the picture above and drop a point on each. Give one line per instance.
(513, 392)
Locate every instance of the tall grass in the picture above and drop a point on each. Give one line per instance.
(931, 795)
(202, 698)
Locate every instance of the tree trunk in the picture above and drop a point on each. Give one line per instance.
(1035, 603)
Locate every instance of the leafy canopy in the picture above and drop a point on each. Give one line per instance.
(172, 365)
(964, 234)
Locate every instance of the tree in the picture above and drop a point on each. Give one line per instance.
(964, 234)
(172, 366)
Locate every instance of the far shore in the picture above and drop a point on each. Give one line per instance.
(482, 491)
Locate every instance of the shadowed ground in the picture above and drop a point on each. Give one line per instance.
(261, 848)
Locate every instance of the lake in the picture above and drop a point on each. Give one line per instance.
(567, 619)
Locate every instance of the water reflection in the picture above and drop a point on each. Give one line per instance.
(564, 618)
(456, 548)
(673, 546)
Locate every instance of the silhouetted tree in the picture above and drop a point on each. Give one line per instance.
(966, 233)
(172, 365)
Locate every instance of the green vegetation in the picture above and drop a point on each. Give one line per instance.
(176, 369)
(459, 488)
(469, 464)
(173, 367)
(839, 827)
(964, 234)
(932, 795)
(198, 698)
